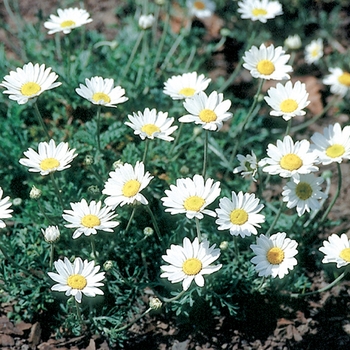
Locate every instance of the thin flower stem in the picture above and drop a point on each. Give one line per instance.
(235, 241)
(145, 151)
(52, 254)
(167, 300)
(58, 46)
(176, 141)
(57, 190)
(132, 322)
(276, 219)
(142, 61)
(154, 222)
(198, 229)
(130, 220)
(162, 40)
(77, 307)
(205, 155)
(98, 127)
(335, 196)
(133, 53)
(40, 120)
(93, 247)
(289, 124)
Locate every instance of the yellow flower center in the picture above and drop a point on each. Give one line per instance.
(275, 256)
(259, 12)
(150, 129)
(192, 266)
(315, 52)
(238, 216)
(199, 5)
(265, 67)
(77, 281)
(345, 79)
(49, 164)
(288, 106)
(187, 91)
(194, 203)
(345, 254)
(90, 221)
(303, 190)
(131, 188)
(291, 162)
(68, 23)
(207, 115)
(98, 96)
(335, 151)
(30, 89)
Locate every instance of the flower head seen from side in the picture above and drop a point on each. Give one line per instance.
(88, 218)
(201, 8)
(49, 157)
(293, 42)
(267, 62)
(146, 21)
(248, 165)
(29, 82)
(209, 111)
(125, 184)
(259, 10)
(5, 212)
(67, 20)
(101, 91)
(304, 193)
(274, 255)
(51, 234)
(190, 262)
(152, 124)
(337, 250)
(240, 215)
(333, 145)
(77, 278)
(191, 196)
(288, 158)
(287, 101)
(314, 51)
(179, 87)
(339, 80)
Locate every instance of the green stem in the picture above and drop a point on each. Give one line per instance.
(142, 61)
(235, 240)
(276, 219)
(40, 120)
(335, 196)
(130, 220)
(198, 230)
(58, 47)
(154, 222)
(93, 247)
(289, 124)
(77, 307)
(205, 156)
(166, 300)
(132, 322)
(176, 141)
(57, 190)
(98, 127)
(52, 254)
(145, 151)
(162, 40)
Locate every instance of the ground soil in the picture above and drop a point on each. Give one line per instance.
(319, 322)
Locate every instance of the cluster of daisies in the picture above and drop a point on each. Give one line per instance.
(240, 213)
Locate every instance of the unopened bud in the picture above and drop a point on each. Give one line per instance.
(35, 193)
(89, 160)
(148, 231)
(155, 303)
(117, 164)
(223, 245)
(51, 234)
(94, 190)
(146, 21)
(108, 265)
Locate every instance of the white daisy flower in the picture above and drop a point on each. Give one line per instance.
(336, 249)
(201, 8)
(51, 234)
(146, 21)
(49, 158)
(287, 101)
(304, 193)
(101, 91)
(190, 262)
(125, 184)
(267, 62)
(77, 278)
(339, 81)
(191, 197)
(67, 20)
(179, 87)
(333, 145)
(29, 82)
(88, 218)
(4, 208)
(248, 165)
(286, 158)
(209, 111)
(314, 51)
(259, 10)
(274, 255)
(240, 215)
(152, 124)
(293, 42)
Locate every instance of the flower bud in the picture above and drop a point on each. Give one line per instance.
(108, 265)
(89, 160)
(148, 231)
(155, 303)
(293, 42)
(117, 164)
(51, 234)
(35, 193)
(146, 21)
(223, 245)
